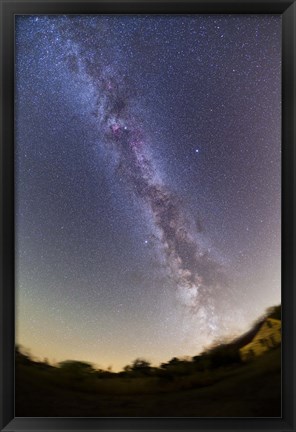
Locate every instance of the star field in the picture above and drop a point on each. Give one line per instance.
(148, 152)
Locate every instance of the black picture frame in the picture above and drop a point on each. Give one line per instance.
(287, 9)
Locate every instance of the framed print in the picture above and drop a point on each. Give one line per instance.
(147, 209)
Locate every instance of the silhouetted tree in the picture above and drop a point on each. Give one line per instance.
(76, 368)
(139, 366)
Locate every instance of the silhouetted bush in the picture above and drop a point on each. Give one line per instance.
(223, 355)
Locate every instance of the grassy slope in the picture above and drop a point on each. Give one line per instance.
(247, 390)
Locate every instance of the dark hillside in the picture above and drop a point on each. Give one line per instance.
(214, 383)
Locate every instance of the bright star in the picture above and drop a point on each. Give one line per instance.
(196, 151)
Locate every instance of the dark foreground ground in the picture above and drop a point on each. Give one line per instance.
(238, 390)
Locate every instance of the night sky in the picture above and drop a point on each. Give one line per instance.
(148, 152)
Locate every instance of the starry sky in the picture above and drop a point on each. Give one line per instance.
(147, 182)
